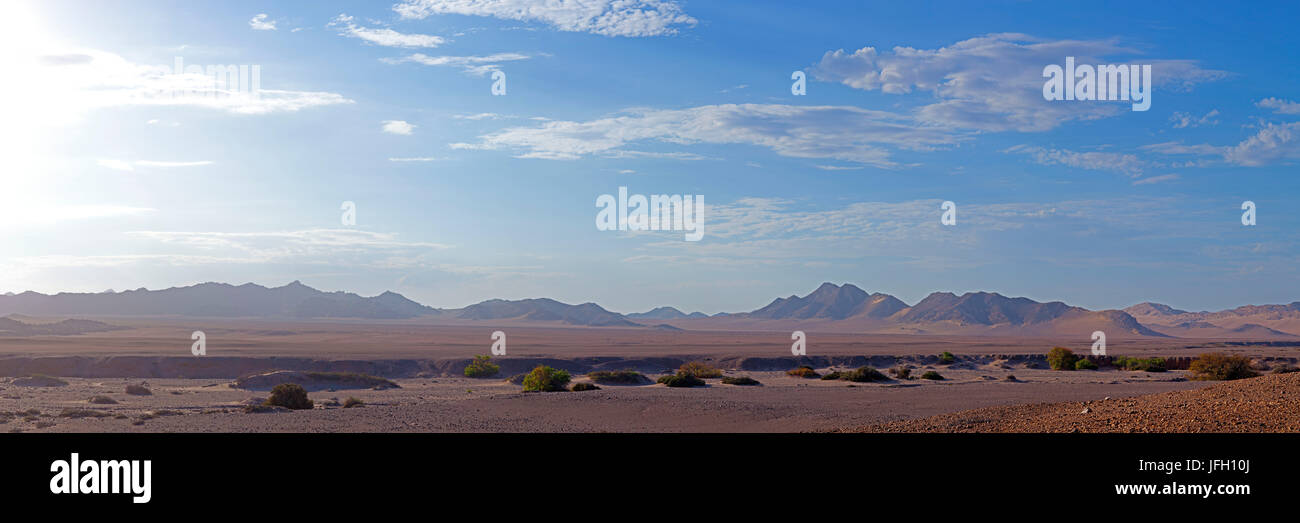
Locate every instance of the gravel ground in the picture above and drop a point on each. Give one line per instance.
(1264, 404)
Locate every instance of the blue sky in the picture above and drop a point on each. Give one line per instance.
(463, 196)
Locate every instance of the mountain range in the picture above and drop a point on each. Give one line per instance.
(830, 307)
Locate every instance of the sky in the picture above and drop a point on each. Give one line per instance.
(455, 150)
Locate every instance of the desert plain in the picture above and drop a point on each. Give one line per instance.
(995, 383)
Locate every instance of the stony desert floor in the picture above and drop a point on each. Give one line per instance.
(781, 404)
(195, 393)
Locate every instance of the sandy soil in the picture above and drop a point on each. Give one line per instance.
(781, 404)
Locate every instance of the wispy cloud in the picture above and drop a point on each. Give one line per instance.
(260, 22)
(1279, 105)
(398, 127)
(832, 132)
(385, 37)
(473, 65)
(1124, 163)
(123, 165)
(993, 82)
(629, 18)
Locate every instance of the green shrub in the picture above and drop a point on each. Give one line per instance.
(901, 372)
(1085, 364)
(803, 371)
(1139, 364)
(1220, 366)
(947, 357)
(353, 402)
(618, 377)
(681, 380)
(579, 387)
(699, 369)
(289, 396)
(832, 375)
(546, 379)
(482, 367)
(863, 375)
(739, 380)
(931, 375)
(1061, 358)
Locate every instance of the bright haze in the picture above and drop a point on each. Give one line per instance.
(462, 196)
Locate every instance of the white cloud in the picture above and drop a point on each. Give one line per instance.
(1156, 179)
(631, 18)
(831, 132)
(994, 82)
(123, 165)
(474, 65)
(1271, 144)
(398, 127)
(1128, 164)
(260, 23)
(414, 159)
(57, 91)
(1280, 106)
(1184, 120)
(384, 37)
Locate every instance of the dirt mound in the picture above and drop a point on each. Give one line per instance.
(1263, 404)
(38, 381)
(313, 381)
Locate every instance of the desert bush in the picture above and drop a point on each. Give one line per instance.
(83, 413)
(546, 379)
(482, 367)
(931, 375)
(618, 377)
(1155, 364)
(1010, 377)
(1284, 369)
(353, 402)
(289, 396)
(681, 380)
(901, 372)
(1061, 358)
(864, 375)
(699, 369)
(739, 380)
(1220, 366)
(803, 371)
(1085, 364)
(579, 387)
(947, 357)
(138, 390)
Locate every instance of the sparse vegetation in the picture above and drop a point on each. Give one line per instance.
(1220, 366)
(803, 371)
(83, 413)
(139, 390)
(699, 369)
(482, 367)
(1284, 368)
(1140, 364)
(901, 372)
(618, 377)
(546, 379)
(931, 375)
(739, 380)
(579, 387)
(103, 400)
(858, 375)
(1010, 377)
(947, 357)
(681, 380)
(1085, 364)
(353, 402)
(1061, 358)
(289, 396)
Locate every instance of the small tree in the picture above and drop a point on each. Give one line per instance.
(947, 357)
(482, 367)
(1061, 358)
(289, 396)
(1220, 366)
(1085, 364)
(546, 379)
